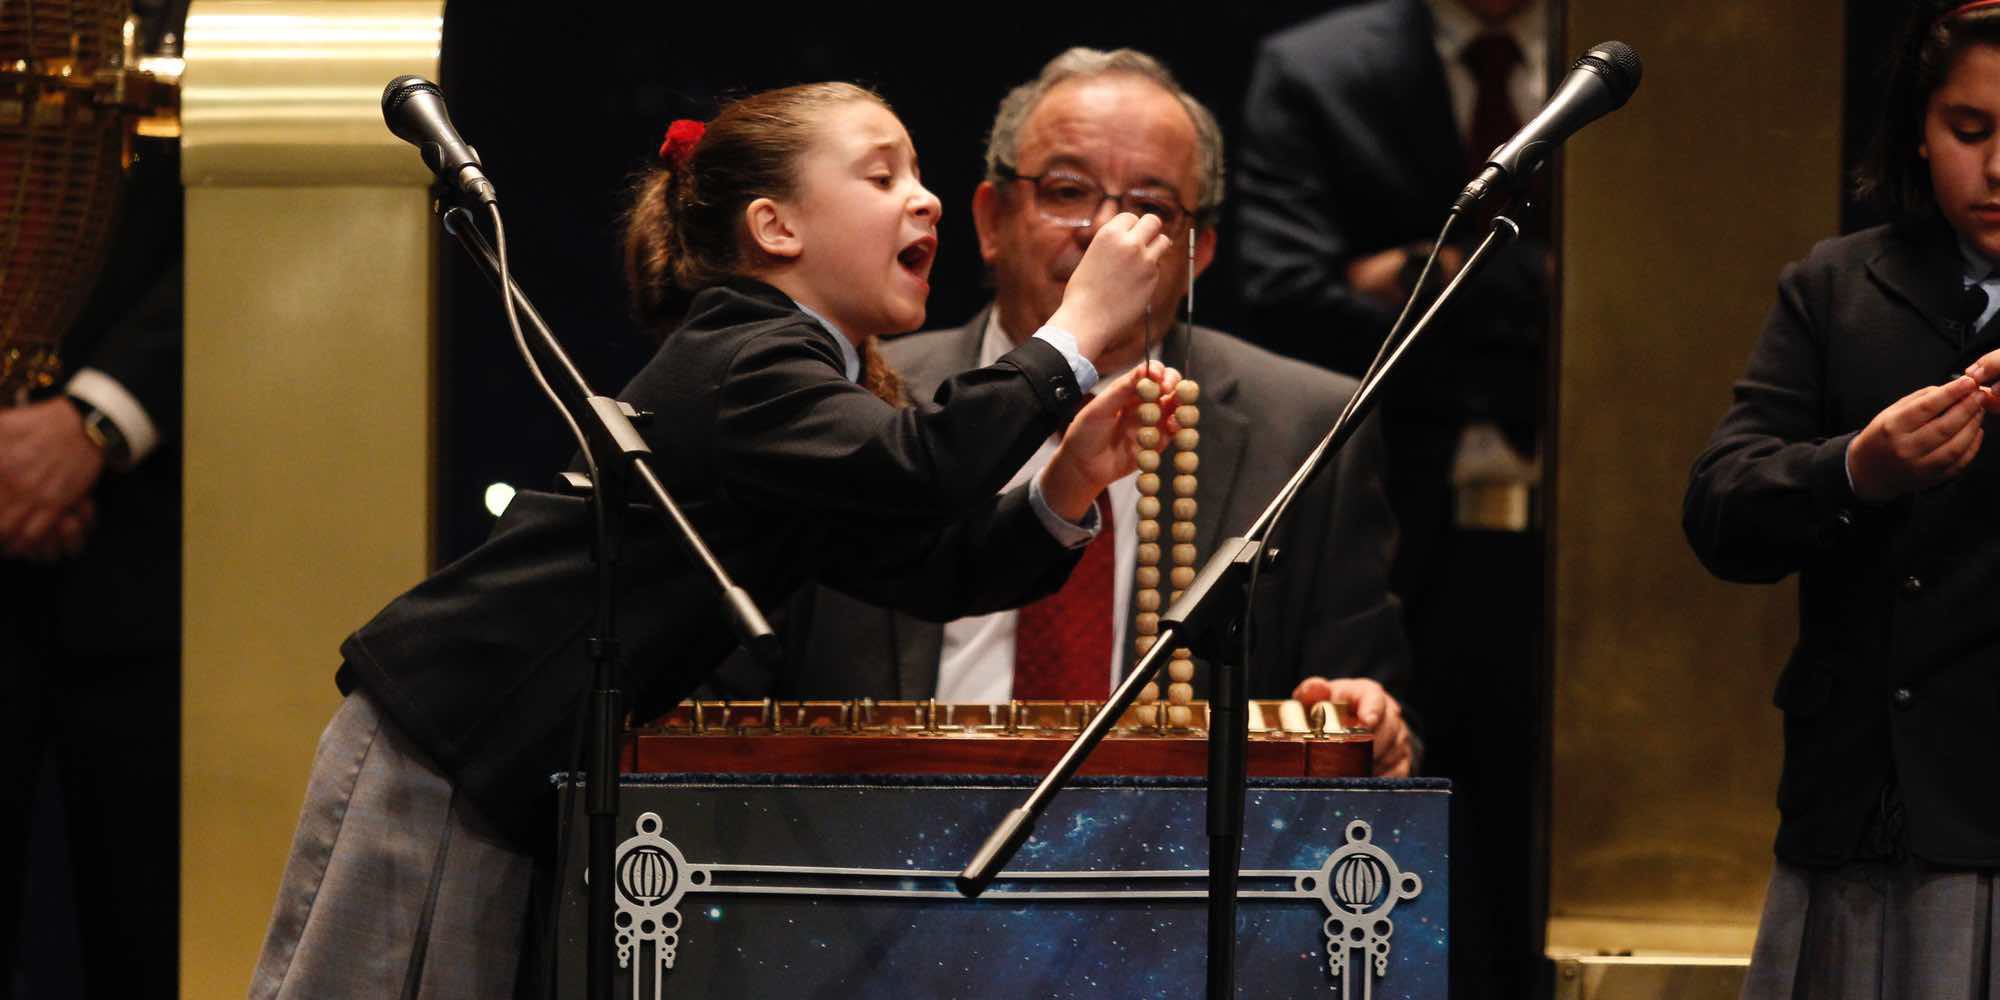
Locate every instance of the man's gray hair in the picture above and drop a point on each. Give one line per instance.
(1003, 143)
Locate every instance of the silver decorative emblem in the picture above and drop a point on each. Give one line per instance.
(652, 877)
(1360, 884)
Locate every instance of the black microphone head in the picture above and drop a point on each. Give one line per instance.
(1618, 64)
(397, 93)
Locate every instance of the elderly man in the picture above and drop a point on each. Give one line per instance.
(1097, 133)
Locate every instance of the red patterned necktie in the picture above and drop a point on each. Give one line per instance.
(1491, 58)
(1062, 643)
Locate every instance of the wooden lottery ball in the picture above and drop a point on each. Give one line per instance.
(1147, 577)
(1186, 439)
(1184, 509)
(1148, 599)
(1183, 577)
(1149, 553)
(1149, 413)
(1149, 484)
(1149, 530)
(1144, 643)
(1180, 716)
(1181, 671)
(1188, 391)
(1148, 623)
(1186, 416)
(1184, 461)
(1183, 531)
(1184, 486)
(1149, 390)
(1149, 460)
(1183, 555)
(1180, 693)
(1149, 506)
(1148, 437)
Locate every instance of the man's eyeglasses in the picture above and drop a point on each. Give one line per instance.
(1070, 199)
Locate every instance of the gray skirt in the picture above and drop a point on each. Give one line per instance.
(394, 888)
(1873, 930)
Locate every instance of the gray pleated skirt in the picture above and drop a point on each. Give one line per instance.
(395, 887)
(1875, 930)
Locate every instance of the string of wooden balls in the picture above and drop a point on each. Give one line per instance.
(1152, 437)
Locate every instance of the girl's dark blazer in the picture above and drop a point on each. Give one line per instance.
(1896, 675)
(792, 474)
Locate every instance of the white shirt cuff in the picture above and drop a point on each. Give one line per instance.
(1069, 534)
(120, 406)
(1063, 341)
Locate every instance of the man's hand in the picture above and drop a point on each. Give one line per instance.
(1919, 441)
(1374, 708)
(1379, 275)
(47, 469)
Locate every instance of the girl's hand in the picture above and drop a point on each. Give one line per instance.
(1111, 286)
(1097, 449)
(1919, 441)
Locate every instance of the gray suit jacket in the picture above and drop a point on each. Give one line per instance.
(1324, 609)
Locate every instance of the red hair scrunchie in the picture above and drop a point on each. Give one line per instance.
(681, 138)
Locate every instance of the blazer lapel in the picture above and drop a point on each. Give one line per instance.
(1922, 267)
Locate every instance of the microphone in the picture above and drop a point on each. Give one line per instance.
(413, 107)
(1602, 80)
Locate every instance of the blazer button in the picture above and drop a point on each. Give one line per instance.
(1912, 585)
(1903, 699)
(1062, 394)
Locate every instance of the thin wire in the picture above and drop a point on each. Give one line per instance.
(568, 798)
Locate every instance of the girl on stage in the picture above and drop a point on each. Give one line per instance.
(1852, 456)
(790, 231)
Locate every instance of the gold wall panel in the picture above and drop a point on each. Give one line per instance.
(1678, 212)
(311, 260)
(290, 93)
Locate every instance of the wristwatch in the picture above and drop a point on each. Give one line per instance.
(103, 432)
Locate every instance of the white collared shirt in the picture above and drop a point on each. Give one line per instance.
(976, 663)
(1980, 271)
(1456, 27)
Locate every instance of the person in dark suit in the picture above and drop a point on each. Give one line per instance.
(1117, 122)
(1360, 127)
(90, 506)
(1852, 456)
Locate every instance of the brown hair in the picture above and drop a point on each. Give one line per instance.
(685, 229)
(1891, 174)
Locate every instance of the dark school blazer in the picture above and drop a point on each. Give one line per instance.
(1896, 674)
(792, 473)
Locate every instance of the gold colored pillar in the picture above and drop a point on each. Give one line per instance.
(1678, 212)
(311, 260)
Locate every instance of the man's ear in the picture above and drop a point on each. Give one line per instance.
(986, 214)
(1204, 249)
(771, 229)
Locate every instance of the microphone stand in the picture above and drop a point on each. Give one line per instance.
(1209, 618)
(609, 427)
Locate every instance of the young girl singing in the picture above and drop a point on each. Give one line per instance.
(798, 222)
(1852, 456)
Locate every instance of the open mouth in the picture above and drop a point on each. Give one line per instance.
(916, 258)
